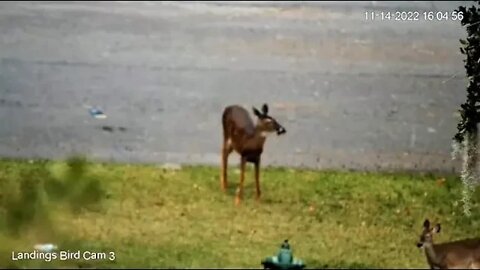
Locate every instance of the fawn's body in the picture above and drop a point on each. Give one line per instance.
(461, 254)
(247, 139)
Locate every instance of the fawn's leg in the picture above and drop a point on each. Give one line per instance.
(226, 150)
(257, 178)
(239, 196)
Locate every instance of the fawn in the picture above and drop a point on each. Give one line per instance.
(461, 254)
(247, 139)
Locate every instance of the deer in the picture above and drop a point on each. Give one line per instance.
(247, 139)
(460, 254)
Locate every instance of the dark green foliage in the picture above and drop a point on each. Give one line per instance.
(78, 188)
(28, 200)
(470, 115)
(27, 208)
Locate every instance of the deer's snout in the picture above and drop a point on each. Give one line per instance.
(281, 130)
(419, 245)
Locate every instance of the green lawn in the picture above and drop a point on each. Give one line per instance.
(155, 218)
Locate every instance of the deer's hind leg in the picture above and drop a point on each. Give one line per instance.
(227, 148)
(239, 193)
(257, 178)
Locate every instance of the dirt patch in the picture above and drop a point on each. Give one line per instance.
(112, 129)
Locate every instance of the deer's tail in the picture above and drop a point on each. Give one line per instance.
(225, 125)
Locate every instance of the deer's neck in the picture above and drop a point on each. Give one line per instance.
(432, 255)
(257, 139)
(260, 133)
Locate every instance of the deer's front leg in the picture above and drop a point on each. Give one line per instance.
(239, 195)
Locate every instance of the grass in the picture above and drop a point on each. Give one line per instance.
(150, 217)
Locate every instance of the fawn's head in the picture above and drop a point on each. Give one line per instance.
(427, 233)
(266, 123)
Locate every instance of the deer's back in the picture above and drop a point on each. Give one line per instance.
(236, 119)
(460, 254)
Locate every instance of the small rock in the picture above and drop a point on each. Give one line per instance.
(431, 130)
(45, 247)
(171, 167)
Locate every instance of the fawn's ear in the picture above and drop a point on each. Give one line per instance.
(426, 224)
(436, 229)
(265, 109)
(257, 112)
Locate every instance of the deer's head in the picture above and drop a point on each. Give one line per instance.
(266, 123)
(427, 233)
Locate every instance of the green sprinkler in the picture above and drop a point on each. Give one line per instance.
(284, 259)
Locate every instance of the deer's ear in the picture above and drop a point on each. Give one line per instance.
(265, 109)
(436, 229)
(426, 224)
(256, 112)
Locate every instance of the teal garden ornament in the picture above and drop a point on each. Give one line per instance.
(284, 259)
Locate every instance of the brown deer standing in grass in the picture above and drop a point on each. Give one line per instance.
(461, 254)
(247, 139)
